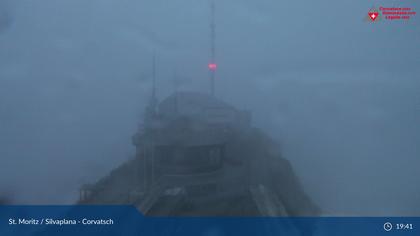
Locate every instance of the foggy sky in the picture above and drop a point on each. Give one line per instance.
(342, 95)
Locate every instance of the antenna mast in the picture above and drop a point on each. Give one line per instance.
(154, 77)
(212, 64)
(153, 99)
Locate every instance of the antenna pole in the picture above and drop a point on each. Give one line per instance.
(154, 76)
(212, 65)
(176, 90)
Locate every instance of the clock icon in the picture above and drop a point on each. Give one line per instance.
(387, 226)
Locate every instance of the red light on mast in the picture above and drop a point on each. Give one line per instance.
(212, 66)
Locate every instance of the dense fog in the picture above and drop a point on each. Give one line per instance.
(340, 94)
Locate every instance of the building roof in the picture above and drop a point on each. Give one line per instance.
(191, 104)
